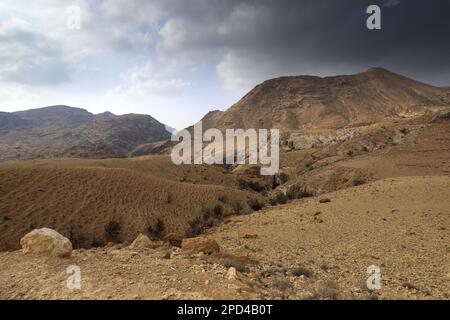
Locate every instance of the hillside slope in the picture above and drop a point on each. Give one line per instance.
(61, 131)
(81, 197)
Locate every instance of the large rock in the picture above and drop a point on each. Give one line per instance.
(142, 241)
(46, 240)
(200, 244)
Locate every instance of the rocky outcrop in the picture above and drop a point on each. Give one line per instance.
(200, 245)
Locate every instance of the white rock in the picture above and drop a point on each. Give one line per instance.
(46, 240)
(231, 273)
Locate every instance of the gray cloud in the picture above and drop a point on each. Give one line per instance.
(253, 40)
(31, 58)
(247, 41)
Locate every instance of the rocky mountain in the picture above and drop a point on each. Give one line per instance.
(61, 131)
(315, 103)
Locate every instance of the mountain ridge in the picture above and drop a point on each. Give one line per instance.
(332, 102)
(63, 131)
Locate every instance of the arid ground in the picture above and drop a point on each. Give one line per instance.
(357, 188)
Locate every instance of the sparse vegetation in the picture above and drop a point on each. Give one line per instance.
(96, 243)
(283, 177)
(195, 227)
(302, 271)
(218, 211)
(298, 192)
(279, 198)
(358, 181)
(238, 207)
(255, 204)
(78, 239)
(250, 185)
(157, 229)
(327, 290)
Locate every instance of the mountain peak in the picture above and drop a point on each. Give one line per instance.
(310, 102)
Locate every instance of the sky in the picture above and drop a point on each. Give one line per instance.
(179, 59)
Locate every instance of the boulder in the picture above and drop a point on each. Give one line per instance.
(48, 241)
(173, 239)
(142, 241)
(200, 244)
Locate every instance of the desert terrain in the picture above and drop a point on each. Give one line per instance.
(364, 180)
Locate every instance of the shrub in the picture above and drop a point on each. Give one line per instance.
(218, 211)
(205, 214)
(112, 230)
(196, 228)
(222, 198)
(358, 181)
(238, 207)
(250, 185)
(255, 204)
(157, 230)
(77, 239)
(302, 271)
(96, 243)
(283, 177)
(280, 198)
(327, 290)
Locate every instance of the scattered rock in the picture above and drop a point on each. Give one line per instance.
(46, 240)
(173, 239)
(142, 241)
(200, 244)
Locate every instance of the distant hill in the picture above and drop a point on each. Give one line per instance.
(309, 102)
(62, 131)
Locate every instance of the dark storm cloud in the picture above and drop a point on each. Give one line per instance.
(321, 36)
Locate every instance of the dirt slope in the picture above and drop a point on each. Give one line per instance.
(80, 197)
